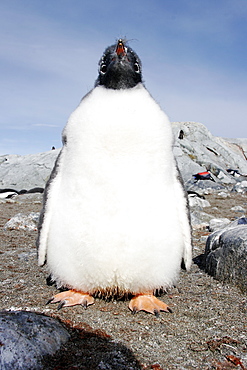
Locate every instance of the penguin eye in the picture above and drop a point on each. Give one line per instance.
(137, 67)
(103, 68)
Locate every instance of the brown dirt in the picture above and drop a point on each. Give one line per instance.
(207, 329)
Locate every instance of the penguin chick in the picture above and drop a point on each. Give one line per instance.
(115, 218)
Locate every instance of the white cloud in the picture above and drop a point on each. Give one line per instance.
(43, 125)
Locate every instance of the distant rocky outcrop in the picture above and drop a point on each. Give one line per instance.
(27, 171)
(226, 254)
(197, 150)
(241, 144)
(240, 187)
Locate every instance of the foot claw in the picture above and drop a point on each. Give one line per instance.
(84, 304)
(61, 304)
(49, 301)
(134, 310)
(156, 312)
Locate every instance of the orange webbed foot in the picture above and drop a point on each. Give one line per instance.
(72, 298)
(148, 303)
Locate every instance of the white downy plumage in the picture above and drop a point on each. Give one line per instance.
(116, 212)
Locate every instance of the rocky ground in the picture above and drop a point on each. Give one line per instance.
(207, 329)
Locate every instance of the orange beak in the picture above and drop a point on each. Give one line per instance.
(120, 49)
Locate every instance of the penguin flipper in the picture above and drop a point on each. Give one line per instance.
(149, 303)
(45, 216)
(184, 219)
(72, 298)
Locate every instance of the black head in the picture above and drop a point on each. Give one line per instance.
(119, 67)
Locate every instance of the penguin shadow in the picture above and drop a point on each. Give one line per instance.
(90, 349)
(200, 261)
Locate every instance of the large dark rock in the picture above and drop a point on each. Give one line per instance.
(26, 337)
(226, 254)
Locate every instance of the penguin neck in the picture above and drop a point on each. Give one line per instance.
(138, 86)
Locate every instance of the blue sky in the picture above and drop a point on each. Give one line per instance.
(193, 53)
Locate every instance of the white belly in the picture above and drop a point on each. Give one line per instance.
(115, 222)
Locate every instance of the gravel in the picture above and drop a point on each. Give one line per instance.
(207, 329)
